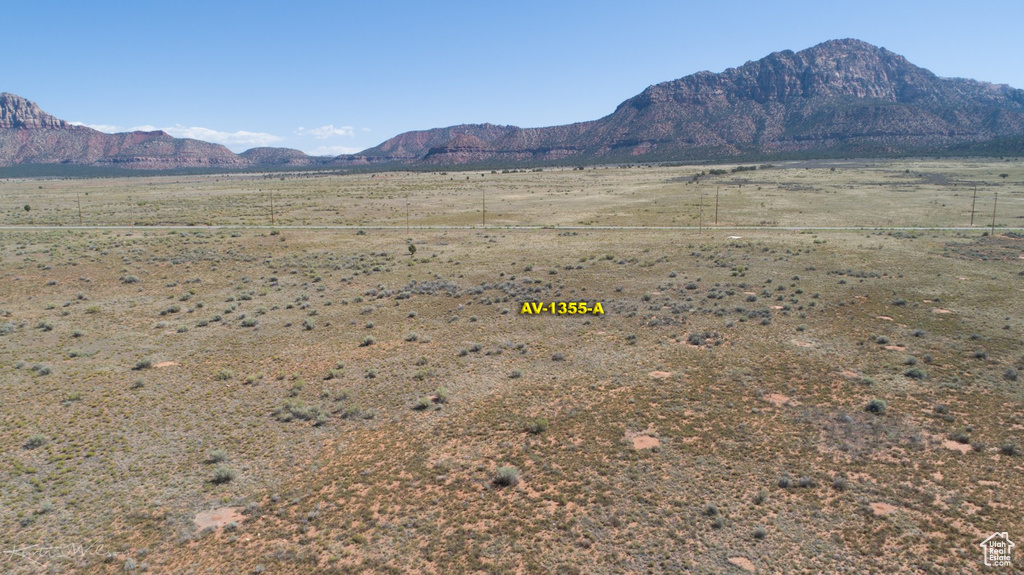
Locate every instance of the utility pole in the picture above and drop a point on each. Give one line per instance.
(483, 198)
(974, 203)
(272, 207)
(994, 202)
(700, 221)
(716, 205)
(131, 210)
(406, 215)
(79, 196)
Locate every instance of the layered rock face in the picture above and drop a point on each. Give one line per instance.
(839, 95)
(30, 136)
(17, 112)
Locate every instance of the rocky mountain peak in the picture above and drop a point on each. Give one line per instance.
(17, 112)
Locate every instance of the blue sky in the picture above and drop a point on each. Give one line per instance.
(337, 77)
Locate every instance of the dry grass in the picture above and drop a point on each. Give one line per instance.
(332, 469)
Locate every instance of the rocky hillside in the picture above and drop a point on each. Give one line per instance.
(841, 95)
(29, 135)
(268, 156)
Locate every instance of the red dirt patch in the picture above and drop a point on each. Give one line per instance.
(217, 518)
(799, 343)
(849, 374)
(165, 364)
(645, 442)
(940, 310)
(777, 399)
(895, 347)
(882, 508)
(955, 446)
(743, 563)
(643, 439)
(660, 374)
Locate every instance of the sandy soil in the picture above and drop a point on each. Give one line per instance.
(218, 518)
(743, 563)
(882, 508)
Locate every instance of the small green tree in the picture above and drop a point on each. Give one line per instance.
(28, 208)
(412, 250)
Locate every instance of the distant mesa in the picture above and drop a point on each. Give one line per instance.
(278, 157)
(839, 98)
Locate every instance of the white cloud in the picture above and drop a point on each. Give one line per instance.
(324, 132)
(239, 138)
(332, 151)
(100, 127)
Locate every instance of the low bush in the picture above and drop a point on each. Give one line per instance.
(506, 476)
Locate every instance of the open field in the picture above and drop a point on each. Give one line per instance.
(298, 400)
(797, 194)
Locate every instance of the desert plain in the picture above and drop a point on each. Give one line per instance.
(806, 367)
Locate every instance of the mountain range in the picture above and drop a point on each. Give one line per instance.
(843, 97)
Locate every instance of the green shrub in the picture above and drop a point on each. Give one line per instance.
(506, 476)
(441, 395)
(537, 426)
(298, 409)
(223, 474)
(217, 456)
(915, 373)
(960, 436)
(877, 406)
(224, 375)
(35, 441)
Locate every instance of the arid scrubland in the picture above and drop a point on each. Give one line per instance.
(296, 400)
